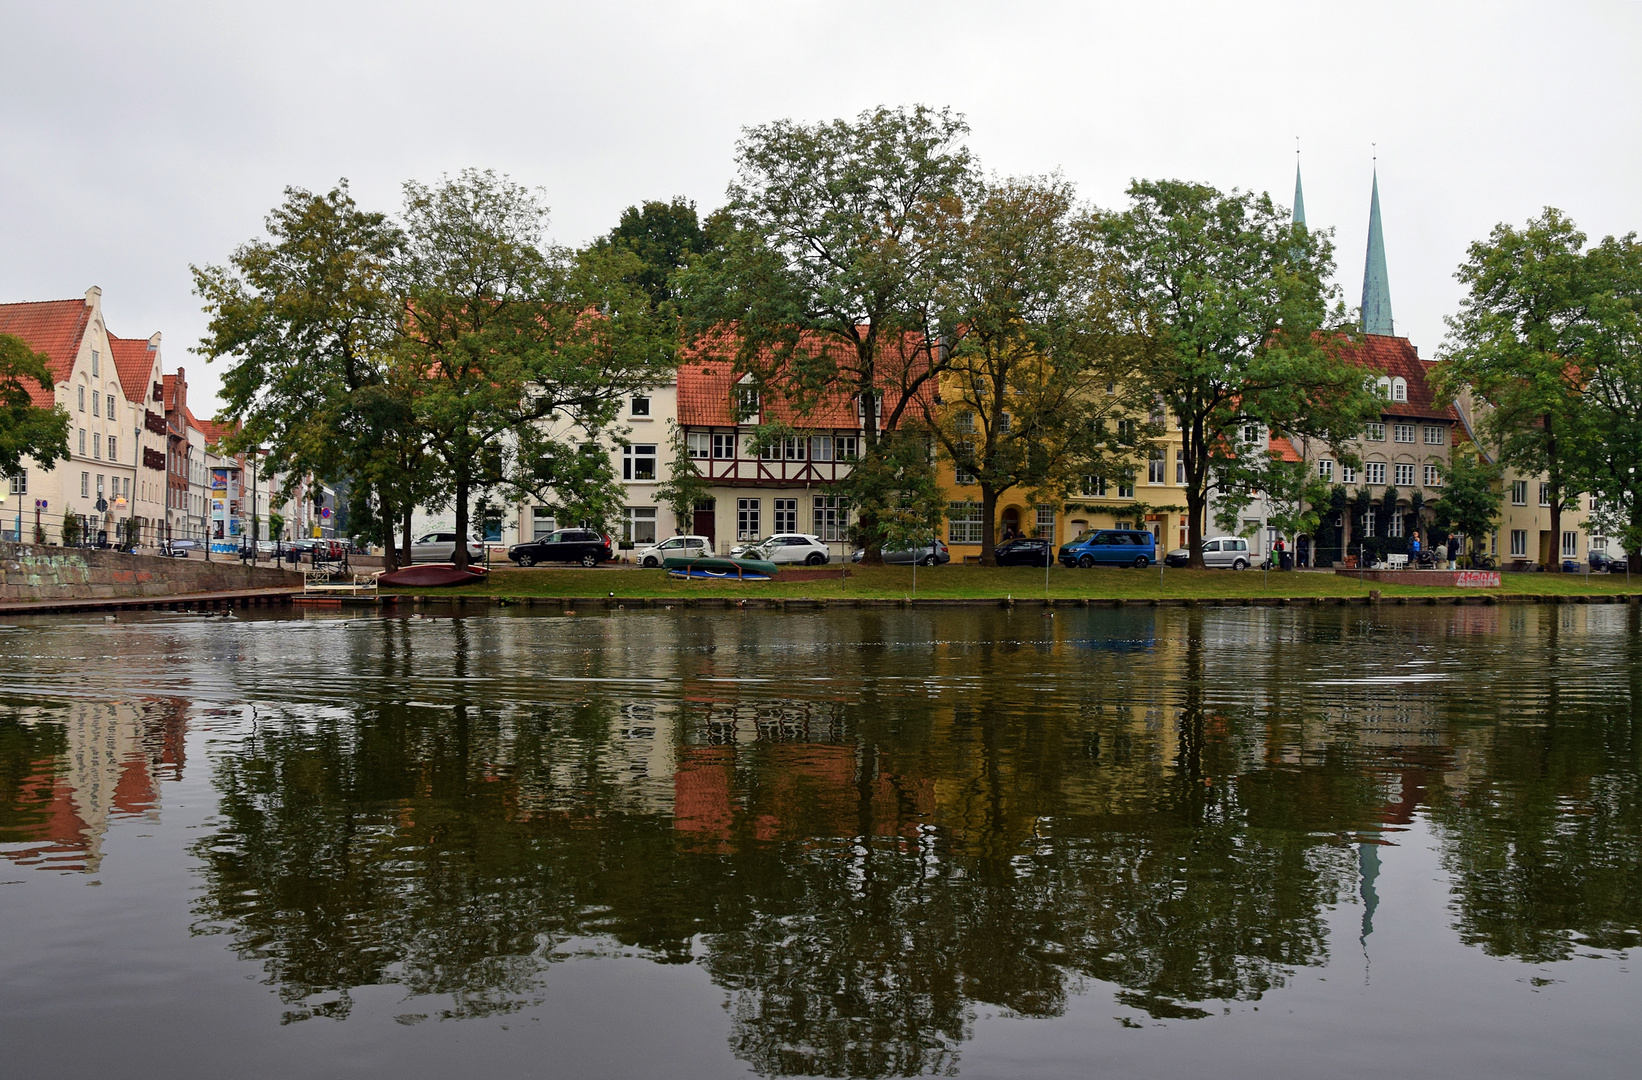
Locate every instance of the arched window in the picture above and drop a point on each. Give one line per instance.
(1399, 389)
(1384, 385)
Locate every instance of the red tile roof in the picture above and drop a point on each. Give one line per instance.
(1394, 356)
(1284, 449)
(135, 362)
(706, 394)
(52, 327)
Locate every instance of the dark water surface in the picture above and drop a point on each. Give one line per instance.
(1239, 843)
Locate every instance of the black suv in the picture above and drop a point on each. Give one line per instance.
(567, 545)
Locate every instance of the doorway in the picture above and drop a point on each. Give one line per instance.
(705, 515)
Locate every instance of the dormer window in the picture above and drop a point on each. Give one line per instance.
(1399, 389)
(747, 404)
(1383, 385)
(877, 399)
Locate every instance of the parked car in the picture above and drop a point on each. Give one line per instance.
(1025, 551)
(675, 547)
(1110, 547)
(806, 548)
(1602, 562)
(1220, 552)
(566, 545)
(441, 547)
(934, 553)
(181, 549)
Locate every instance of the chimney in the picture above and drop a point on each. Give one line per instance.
(93, 296)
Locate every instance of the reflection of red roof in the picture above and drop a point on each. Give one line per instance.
(707, 382)
(52, 327)
(1394, 356)
(134, 360)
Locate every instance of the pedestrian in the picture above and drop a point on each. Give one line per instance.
(1414, 548)
(1453, 552)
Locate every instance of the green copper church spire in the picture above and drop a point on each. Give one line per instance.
(1299, 196)
(1376, 287)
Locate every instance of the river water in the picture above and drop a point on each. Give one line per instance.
(1238, 842)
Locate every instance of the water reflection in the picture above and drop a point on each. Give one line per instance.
(867, 825)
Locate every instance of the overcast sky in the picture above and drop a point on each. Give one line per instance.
(140, 138)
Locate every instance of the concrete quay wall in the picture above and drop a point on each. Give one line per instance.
(1448, 579)
(30, 572)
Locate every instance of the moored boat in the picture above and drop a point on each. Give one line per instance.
(432, 575)
(721, 569)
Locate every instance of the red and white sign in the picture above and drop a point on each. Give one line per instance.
(1477, 579)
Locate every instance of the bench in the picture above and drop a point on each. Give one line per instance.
(1396, 562)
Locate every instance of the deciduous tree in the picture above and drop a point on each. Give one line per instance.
(26, 429)
(1611, 354)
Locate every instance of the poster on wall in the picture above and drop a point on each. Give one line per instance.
(219, 479)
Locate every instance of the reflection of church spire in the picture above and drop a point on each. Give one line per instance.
(1368, 869)
(1376, 286)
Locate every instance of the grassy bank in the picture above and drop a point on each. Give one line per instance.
(995, 583)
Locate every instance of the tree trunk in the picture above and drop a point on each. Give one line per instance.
(390, 556)
(1553, 474)
(989, 525)
(460, 556)
(406, 551)
(866, 517)
(1197, 490)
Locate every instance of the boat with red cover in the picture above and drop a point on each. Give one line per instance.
(429, 575)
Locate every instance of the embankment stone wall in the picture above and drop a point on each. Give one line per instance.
(36, 572)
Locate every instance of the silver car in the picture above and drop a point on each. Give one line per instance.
(1219, 553)
(441, 547)
(806, 548)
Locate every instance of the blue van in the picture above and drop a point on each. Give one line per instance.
(1110, 547)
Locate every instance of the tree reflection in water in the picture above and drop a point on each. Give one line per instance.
(969, 821)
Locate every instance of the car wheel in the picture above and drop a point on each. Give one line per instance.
(590, 560)
(816, 558)
(524, 560)
(651, 563)
(1142, 562)
(1086, 561)
(1240, 564)
(930, 560)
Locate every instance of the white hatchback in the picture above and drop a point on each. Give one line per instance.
(806, 548)
(677, 547)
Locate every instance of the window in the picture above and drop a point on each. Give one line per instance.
(697, 443)
(1402, 432)
(1125, 490)
(793, 447)
(110, 410)
(1156, 464)
(770, 452)
(746, 519)
(1394, 523)
(113, 449)
(1348, 474)
(85, 485)
(1519, 541)
(1368, 523)
(1374, 472)
(1570, 545)
(962, 462)
(639, 405)
(20, 483)
(1251, 433)
(1325, 469)
(876, 398)
(541, 522)
(1374, 432)
(96, 448)
(844, 448)
(94, 409)
(1599, 543)
(723, 446)
(95, 358)
(832, 517)
(638, 462)
(1435, 436)
(1545, 494)
(1125, 431)
(1433, 476)
(786, 515)
(1003, 423)
(1399, 390)
(1180, 468)
(963, 523)
(964, 423)
(1383, 385)
(1519, 493)
(1044, 520)
(821, 448)
(1093, 487)
(639, 526)
(747, 402)
(1405, 475)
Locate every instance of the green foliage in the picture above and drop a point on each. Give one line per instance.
(664, 236)
(836, 246)
(1612, 354)
(1039, 334)
(1515, 345)
(276, 525)
(685, 485)
(71, 529)
(1248, 331)
(1470, 498)
(25, 429)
